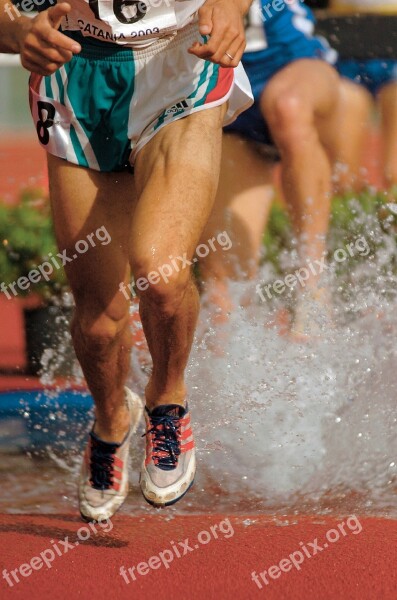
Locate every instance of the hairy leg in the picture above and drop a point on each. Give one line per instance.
(176, 176)
(388, 105)
(351, 133)
(84, 202)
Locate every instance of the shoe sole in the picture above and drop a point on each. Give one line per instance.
(90, 520)
(158, 493)
(171, 502)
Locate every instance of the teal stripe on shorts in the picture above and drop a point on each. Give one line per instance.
(103, 114)
(212, 83)
(48, 88)
(78, 150)
(61, 87)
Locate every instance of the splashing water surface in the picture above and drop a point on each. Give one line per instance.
(281, 427)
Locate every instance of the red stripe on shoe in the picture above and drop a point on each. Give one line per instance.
(186, 434)
(149, 448)
(118, 462)
(187, 447)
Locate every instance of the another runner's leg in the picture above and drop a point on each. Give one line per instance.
(241, 210)
(388, 106)
(354, 113)
(300, 118)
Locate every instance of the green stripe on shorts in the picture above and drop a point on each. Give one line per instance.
(103, 112)
(78, 150)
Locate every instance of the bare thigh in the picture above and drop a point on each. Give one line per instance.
(84, 204)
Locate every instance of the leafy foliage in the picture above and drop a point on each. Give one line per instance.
(26, 241)
(372, 214)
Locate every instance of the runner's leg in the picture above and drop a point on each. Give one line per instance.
(82, 202)
(301, 118)
(177, 176)
(241, 209)
(388, 106)
(352, 131)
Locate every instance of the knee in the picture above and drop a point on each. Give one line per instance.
(163, 287)
(291, 121)
(101, 328)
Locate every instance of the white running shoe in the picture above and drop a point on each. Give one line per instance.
(170, 464)
(103, 484)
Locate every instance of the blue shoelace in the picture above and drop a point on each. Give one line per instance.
(101, 464)
(165, 440)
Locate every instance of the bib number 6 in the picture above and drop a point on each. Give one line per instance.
(138, 7)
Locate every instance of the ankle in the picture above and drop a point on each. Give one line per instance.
(112, 426)
(175, 396)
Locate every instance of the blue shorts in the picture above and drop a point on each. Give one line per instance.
(373, 73)
(287, 42)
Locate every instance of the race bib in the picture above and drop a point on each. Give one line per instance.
(133, 22)
(52, 122)
(255, 28)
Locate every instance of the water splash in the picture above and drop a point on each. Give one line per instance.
(281, 427)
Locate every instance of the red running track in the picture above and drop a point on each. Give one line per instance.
(356, 567)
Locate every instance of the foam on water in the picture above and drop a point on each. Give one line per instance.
(311, 425)
(296, 425)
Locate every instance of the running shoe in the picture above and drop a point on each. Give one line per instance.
(103, 485)
(170, 463)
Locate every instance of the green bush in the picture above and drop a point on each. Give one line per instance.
(26, 241)
(352, 215)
